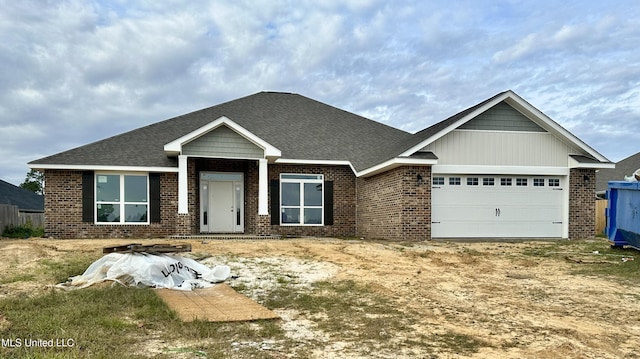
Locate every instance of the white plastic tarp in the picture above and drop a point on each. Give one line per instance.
(152, 270)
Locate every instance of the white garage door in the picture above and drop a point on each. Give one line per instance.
(485, 206)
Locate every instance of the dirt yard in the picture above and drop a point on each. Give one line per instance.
(514, 303)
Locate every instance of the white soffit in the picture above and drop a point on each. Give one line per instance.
(174, 147)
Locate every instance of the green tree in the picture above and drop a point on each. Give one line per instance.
(34, 182)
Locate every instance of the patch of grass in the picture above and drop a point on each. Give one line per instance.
(60, 270)
(22, 277)
(592, 257)
(93, 318)
(346, 308)
(27, 230)
(115, 321)
(460, 343)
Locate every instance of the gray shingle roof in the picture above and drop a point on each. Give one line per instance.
(300, 127)
(625, 167)
(25, 200)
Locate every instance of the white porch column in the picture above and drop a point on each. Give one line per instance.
(263, 188)
(183, 185)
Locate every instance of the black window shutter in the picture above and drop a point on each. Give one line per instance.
(328, 203)
(154, 197)
(88, 202)
(275, 201)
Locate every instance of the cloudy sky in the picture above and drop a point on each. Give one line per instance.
(73, 72)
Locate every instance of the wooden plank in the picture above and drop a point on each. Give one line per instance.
(220, 303)
(152, 248)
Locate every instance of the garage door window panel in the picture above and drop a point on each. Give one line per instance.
(488, 181)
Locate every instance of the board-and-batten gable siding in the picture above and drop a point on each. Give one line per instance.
(222, 142)
(501, 136)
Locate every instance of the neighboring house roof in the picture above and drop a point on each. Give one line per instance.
(294, 129)
(25, 200)
(625, 167)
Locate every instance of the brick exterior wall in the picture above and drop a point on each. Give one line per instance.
(63, 210)
(392, 205)
(582, 204)
(388, 205)
(344, 201)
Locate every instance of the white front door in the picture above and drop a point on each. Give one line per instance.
(221, 202)
(222, 207)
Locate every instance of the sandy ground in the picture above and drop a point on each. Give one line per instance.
(522, 306)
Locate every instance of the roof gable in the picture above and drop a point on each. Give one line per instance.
(501, 117)
(224, 138)
(510, 98)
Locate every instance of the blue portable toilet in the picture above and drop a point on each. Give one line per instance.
(623, 214)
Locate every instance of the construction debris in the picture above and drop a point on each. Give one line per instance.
(153, 248)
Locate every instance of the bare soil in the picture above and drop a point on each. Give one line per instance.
(518, 305)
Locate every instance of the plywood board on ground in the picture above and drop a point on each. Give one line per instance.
(220, 303)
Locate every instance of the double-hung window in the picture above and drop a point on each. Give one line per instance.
(301, 199)
(122, 198)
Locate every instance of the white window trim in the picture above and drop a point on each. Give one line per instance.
(122, 202)
(301, 182)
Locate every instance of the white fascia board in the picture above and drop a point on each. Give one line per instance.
(500, 170)
(174, 147)
(315, 162)
(394, 163)
(102, 168)
(455, 125)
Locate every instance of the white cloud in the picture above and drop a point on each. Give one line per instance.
(99, 68)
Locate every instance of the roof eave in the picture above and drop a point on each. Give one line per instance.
(394, 163)
(36, 166)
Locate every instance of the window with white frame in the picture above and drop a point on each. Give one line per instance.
(122, 198)
(301, 199)
(438, 181)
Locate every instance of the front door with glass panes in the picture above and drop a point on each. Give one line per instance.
(221, 202)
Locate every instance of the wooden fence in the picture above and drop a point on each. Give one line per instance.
(601, 219)
(11, 216)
